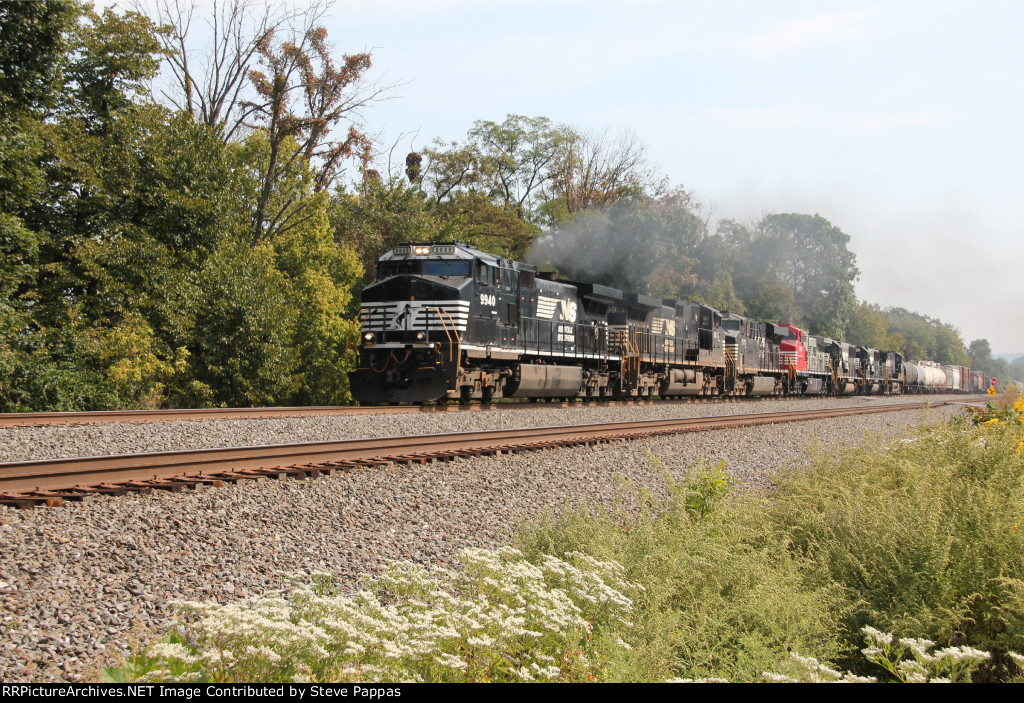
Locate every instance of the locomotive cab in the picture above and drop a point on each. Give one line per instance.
(414, 318)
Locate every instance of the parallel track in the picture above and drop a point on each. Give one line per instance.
(112, 416)
(51, 481)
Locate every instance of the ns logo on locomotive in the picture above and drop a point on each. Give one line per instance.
(448, 321)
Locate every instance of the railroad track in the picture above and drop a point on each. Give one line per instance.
(52, 481)
(111, 416)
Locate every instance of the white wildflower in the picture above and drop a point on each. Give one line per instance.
(919, 647)
(524, 674)
(547, 672)
(912, 671)
(172, 651)
(876, 637)
(451, 661)
(959, 654)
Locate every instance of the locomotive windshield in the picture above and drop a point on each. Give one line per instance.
(443, 268)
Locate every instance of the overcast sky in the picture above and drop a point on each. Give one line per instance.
(899, 122)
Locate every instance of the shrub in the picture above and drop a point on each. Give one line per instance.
(924, 537)
(721, 598)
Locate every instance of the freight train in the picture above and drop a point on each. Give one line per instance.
(450, 322)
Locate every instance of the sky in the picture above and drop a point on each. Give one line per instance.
(899, 121)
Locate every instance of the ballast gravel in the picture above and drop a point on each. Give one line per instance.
(63, 441)
(83, 585)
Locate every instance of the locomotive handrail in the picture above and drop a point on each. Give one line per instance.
(444, 326)
(730, 357)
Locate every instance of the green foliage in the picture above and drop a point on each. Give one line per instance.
(34, 37)
(981, 359)
(477, 220)
(128, 356)
(241, 341)
(116, 55)
(925, 537)
(795, 268)
(868, 327)
(511, 164)
(713, 273)
(53, 368)
(123, 234)
(925, 338)
(321, 278)
(720, 598)
(707, 490)
(378, 215)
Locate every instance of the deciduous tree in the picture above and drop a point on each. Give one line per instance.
(211, 82)
(302, 97)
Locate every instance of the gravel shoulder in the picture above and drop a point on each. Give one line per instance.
(83, 584)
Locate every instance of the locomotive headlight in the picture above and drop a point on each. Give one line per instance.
(421, 251)
(420, 336)
(368, 337)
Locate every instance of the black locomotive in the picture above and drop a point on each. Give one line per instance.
(448, 321)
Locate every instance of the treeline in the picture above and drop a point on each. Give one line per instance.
(204, 244)
(151, 258)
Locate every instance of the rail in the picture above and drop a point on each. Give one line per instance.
(54, 480)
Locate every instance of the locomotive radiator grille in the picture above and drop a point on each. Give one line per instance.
(416, 316)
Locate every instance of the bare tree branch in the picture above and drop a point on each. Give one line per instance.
(211, 87)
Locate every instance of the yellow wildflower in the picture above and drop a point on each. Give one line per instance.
(993, 421)
(1018, 404)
